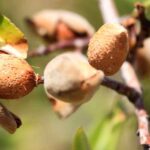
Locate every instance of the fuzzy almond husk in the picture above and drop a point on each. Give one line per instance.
(108, 48)
(17, 78)
(69, 77)
(61, 108)
(46, 22)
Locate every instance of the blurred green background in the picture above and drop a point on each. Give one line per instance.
(42, 129)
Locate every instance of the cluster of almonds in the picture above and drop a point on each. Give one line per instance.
(69, 79)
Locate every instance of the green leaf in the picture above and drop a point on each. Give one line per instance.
(9, 33)
(80, 141)
(12, 40)
(107, 133)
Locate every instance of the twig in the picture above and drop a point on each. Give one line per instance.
(136, 98)
(123, 89)
(78, 43)
(131, 80)
(143, 124)
(130, 77)
(108, 11)
(39, 79)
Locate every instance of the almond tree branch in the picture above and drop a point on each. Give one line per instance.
(133, 95)
(108, 11)
(110, 14)
(136, 98)
(78, 43)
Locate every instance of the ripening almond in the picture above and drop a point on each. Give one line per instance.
(108, 48)
(17, 78)
(60, 24)
(69, 77)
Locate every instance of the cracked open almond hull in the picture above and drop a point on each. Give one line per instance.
(64, 24)
(17, 78)
(108, 48)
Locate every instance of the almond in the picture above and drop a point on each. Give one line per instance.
(69, 77)
(17, 78)
(108, 48)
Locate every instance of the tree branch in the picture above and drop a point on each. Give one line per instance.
(108, 11)
(123, 89)
(78, 43)
(136, 98)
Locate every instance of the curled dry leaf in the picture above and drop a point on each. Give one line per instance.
(12, 40)
(142, 62)
(8, 120)
(17, 78)
(69, 77)
(60, 24)
(108, 48)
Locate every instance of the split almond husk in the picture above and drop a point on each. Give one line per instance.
(60, 24)
(61, 108)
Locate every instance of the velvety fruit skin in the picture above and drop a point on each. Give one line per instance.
(108, 48)
(70, 78)
(17, 78)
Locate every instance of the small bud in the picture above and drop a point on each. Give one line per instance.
(69, 77)
(108, 48)
(17, 78)
(60, 24)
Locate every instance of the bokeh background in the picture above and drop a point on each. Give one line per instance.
(42, 129)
